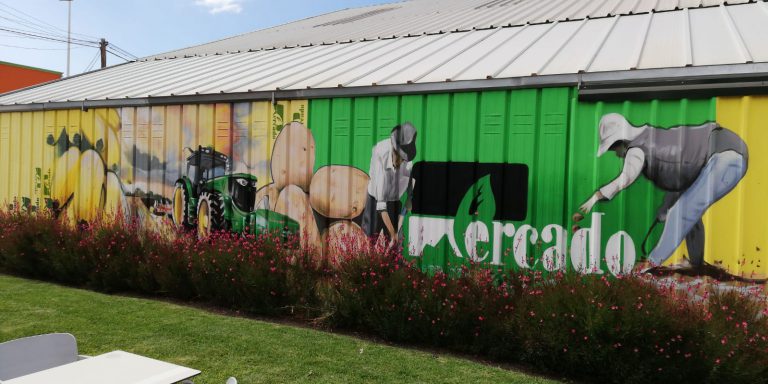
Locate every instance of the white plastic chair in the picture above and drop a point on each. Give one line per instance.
(36, 353)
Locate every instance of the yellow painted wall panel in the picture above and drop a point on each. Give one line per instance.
(261, 139)
(156, 156)
(5, 158)
(223, 127)
(737, 232)
(141, 149)
(189, 126)
(205, 124)
(37, 148)
(25, 169)
(175, 154)
(83, 190)
(14, 158)
(127, 141)
(59, 161)
(73, 177)
(79, 162)
(49, 132)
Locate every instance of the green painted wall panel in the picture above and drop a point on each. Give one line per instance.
(463, 126)
(548, 130)
(364, 135)
(320, 118)
(437, 130)
(341, 131)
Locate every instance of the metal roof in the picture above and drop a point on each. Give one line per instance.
(419, 17)
(718, 36)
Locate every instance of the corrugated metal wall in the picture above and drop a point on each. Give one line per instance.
(100, 159)
(737, 230)
(545, 129)
(634, 209)
(94, 160)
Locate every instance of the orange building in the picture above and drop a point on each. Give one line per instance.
(16, 76)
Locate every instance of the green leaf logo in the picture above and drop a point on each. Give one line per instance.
(478, 205)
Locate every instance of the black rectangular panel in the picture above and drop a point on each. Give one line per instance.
(440, 187)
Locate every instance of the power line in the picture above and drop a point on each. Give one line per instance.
(24, 24)
(41, 37)
(44, 36)
(40, 29)
(123, 51)
(34, 28)
(33, 20)
(117, 51)
(118, 55)
(35, 48)
(92, 62)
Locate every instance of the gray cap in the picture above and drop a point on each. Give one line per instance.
(403, 139)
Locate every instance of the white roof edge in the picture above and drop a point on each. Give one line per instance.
(669, 79)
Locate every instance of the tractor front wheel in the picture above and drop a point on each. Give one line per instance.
(179, 214)
(210, 214)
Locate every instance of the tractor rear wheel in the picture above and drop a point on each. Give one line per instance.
(210, 214)
(180, 215)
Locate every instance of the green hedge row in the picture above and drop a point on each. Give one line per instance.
(627, 330)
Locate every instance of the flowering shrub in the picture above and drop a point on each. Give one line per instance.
(592, 328)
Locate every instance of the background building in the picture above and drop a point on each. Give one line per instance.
(16, 76)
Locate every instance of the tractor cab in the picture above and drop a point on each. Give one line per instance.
(211, 197)
(206, 164)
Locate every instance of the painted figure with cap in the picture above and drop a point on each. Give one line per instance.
(390, 178)
(695, 165)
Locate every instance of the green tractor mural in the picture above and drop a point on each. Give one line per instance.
(211, 198)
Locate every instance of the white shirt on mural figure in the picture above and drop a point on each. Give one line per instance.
(387, 182)
(633, 166)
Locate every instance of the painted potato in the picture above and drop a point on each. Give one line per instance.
(113, 150)
(90, 186)
(294, 203)
(66, 177)
(343, 239)
(339, 192)
(293, 157)
(114, 198)
(267, 192)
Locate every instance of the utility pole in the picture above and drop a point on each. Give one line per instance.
(69, 31)
(103, 49)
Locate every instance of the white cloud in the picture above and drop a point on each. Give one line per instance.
(220, 6)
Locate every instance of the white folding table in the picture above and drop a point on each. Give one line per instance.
(116, 367)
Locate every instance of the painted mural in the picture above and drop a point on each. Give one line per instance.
(695, 166)
(524, 179)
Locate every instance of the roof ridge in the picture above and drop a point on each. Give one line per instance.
(150, 57)
(419, 17)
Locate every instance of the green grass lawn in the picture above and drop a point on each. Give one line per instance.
(222, 346)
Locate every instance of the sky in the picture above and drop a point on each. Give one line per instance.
(140, 27)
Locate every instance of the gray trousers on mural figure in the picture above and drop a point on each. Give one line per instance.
(720, 175)
(373, 224)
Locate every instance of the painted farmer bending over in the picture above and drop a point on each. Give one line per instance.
(390, 173)
(695, 165)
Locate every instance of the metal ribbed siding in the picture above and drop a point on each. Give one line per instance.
(546, 129)
(432, 16)
(678, 39)
(634, 209)
(737, 232)
(551, 132)
(144, 146)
